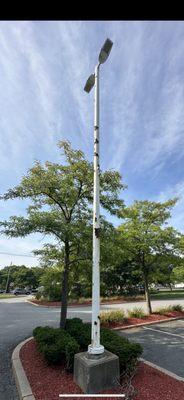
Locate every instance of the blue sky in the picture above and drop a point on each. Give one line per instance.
(43, 68)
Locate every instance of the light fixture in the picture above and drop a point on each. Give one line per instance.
(90, 83)
(105, 51)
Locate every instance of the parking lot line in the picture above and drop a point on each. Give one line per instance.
(160, 331)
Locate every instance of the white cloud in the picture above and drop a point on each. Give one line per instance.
(171, 192)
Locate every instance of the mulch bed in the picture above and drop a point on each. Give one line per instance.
(48, 382)
(129, 321)
(86, 303)
(150, 318)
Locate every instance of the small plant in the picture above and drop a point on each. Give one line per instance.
(163, 310)
(84, 300)
(136, 312)
(169, 309)
(107, 317)
(177, 307)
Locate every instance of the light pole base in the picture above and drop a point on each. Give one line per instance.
(96, 373)
(95, 350)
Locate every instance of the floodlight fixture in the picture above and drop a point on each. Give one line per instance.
(90, 83)
(105, 51)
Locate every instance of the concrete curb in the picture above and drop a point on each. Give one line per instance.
(163, 370)
(79, 305)
(22, 384)
(122, 328)
(33, 304)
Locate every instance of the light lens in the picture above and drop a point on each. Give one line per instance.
(105, 51)
(90, 83)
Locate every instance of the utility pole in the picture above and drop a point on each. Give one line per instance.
(8, 278)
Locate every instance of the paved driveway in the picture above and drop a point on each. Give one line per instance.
(17, 320)
(163, 344)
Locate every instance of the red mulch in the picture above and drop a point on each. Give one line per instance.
(48, 382)
(150, 318)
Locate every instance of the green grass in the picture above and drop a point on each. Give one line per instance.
(6, 296)
(175, 294)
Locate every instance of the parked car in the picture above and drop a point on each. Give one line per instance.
(18, 291)
(34, 291)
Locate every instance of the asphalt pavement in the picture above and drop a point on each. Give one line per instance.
(18, 319)
(163, 344)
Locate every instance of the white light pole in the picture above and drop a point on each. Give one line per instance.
(95, 347)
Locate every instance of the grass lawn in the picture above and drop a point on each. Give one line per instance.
(6, 296)
(161, 295)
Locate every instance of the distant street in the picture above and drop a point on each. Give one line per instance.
(18, 319)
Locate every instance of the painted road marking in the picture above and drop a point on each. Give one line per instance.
(166, 333)
(91, 395)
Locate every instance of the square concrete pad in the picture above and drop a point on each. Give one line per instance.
(95, 374)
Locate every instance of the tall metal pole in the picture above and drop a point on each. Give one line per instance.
(95, 347)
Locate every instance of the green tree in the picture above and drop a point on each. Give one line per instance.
(20, 275)
(80, 277)
(146, 237)
(61, 196)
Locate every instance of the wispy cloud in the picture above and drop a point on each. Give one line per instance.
(43, 69)
(171, 192)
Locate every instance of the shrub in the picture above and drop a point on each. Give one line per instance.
(136, 312)
(80, 331)
(128, 352)
(112, 316)
(56, 345)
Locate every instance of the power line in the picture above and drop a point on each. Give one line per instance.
(17, 255)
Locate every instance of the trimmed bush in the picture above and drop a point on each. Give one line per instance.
(80, 331)
(136, 312)
(59, 345)
(112, 316)
(128, 352)
(56, 345)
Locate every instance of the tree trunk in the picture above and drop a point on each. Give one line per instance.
(64, 287)
(147, 294)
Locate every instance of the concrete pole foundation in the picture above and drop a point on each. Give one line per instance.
(96, 373)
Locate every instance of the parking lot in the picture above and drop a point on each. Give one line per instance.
(163, 344)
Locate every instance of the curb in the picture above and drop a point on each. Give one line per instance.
(163, 370)
(33, 304)
(78, 305)
(22, 383)
(121, 328)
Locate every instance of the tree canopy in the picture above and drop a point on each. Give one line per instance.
(61, 196)
(146, 236)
